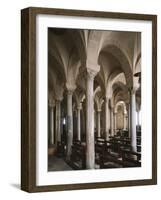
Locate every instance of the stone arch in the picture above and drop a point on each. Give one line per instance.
(138, 59)
(120, 103)
(57, 84)
(78, 96)
(98, 97)
(94, 38)
(57, 49)
(98, 89)
(121, 112)
(80, 41)
(137, 68)
(137, 74)
(120, 85)
(117, 52)
(56, 67)
(72, 70)
(116, 76)
(99, 81)
(120, 91)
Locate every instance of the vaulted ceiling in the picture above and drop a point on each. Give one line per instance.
(117, 52)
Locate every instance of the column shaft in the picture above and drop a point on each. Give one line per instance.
(69, 123)
(112, 132)
(124, 121)
(129, 121)
(78, 125)
(58, 120)
(98, 124)
(51, 125)
(115, 122)
(138, 120)
(133, 121)
(90, 151)
(107, 119)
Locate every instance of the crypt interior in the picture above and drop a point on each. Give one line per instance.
(94, 99)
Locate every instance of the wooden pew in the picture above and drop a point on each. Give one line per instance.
(103, 151)
(75, 142)
(126, 142)
(138, 148)
(108, 159)
(138, 140)
(99, 149)
(124, 158)
(114, 146)
(78, 156)
(131, 159)
(60, 149)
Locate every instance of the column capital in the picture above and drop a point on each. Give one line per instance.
(132, 90)
(91, 73)
(99, 110)
(52, 102)
(70, 87)
(58, 99)
(90, 65)
(70, 92)
(79, 107)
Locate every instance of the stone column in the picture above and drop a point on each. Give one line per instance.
(124, 120)
(51, 127)
(129, 120)
(133, 120)
(115, 113)
(78, 122)
(107, 118)
(69, 123)
(112, 123)
(58, 121)
(90, 151)
(138, 120)
(98, 123)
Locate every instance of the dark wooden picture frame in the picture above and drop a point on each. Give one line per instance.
(28, 98)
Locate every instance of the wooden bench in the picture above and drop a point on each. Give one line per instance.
(60, 149)
(126, 142)
(113, 145)
(100, 149)
(125, 158)
(78, 156)
(131, 159)
(109, 159)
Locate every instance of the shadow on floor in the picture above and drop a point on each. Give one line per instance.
(15, 185)
(57, 164)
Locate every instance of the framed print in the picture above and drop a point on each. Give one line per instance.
(88, 99)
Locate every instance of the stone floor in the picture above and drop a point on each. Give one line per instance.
(57, 164)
